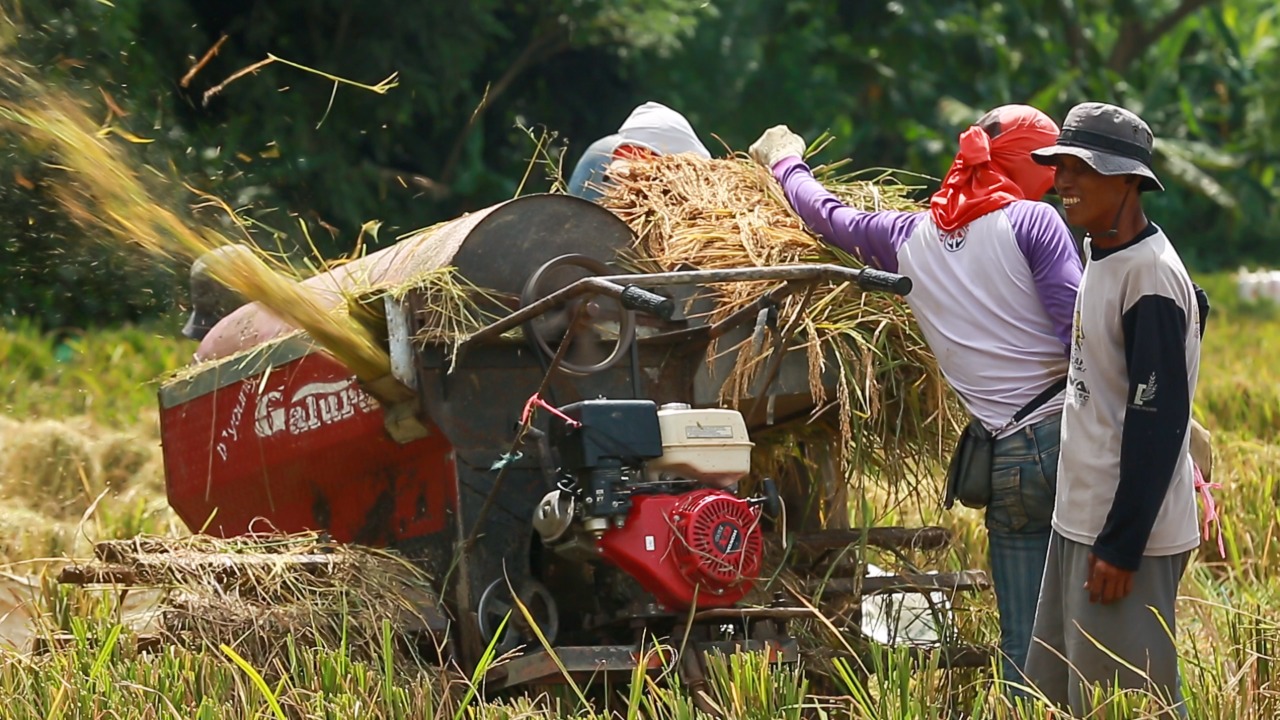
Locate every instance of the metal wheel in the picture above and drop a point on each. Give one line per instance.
(496, 604)
(598, 318)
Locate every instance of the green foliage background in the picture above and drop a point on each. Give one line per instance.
(894, 81)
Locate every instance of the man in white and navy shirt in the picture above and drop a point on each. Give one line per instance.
(1125, 518)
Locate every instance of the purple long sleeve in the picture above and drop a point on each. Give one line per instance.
(873, 237)
(1055, 264)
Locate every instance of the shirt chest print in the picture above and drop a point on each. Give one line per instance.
(1077, 343)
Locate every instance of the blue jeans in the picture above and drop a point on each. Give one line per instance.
(1024, 478)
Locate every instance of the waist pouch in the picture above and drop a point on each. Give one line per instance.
(969, 474)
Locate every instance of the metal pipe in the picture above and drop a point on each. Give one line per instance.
(728, 322)
(595, 285)
(865, 278)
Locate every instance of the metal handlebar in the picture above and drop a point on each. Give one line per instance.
(635, 298)
(867, 279)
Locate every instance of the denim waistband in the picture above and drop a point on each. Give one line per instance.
(1030, 437)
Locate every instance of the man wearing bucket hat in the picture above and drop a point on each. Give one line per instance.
(651, 128)
(995, 277)
(1124, 522)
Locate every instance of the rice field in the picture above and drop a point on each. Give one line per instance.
(79, 462)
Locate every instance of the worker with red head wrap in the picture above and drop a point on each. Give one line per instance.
(995, 274)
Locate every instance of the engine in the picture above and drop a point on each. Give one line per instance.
(647, 490)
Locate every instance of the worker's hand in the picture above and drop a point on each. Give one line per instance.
(777, 143)
(1107, 583)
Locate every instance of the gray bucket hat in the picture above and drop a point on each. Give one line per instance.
(1110, 139)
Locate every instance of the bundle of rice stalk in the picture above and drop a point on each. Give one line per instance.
(451, 307)
(60, 467)
(26, 534)
(122, 457)
(895, 413)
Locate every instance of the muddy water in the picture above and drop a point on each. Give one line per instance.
(20, 610)
(17, 602)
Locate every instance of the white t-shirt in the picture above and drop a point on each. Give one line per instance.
(978, 308)
(1125, 477)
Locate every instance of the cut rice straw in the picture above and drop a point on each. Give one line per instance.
(104, 190)
(895, 413)
(253, 591)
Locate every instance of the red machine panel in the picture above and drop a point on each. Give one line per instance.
(303, 448)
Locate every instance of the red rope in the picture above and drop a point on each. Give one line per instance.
(536, 401)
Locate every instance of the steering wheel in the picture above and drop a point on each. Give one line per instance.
(598, 317)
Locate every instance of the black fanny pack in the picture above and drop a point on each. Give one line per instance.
(969, 475)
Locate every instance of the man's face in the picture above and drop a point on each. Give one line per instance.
(1091, 200)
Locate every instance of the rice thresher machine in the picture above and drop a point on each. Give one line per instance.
(571, 453)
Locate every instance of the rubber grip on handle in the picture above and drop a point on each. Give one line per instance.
(872, 279)
(641, 300)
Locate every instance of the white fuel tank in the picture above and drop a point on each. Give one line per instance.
(708, 445)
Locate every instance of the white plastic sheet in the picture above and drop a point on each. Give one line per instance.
(914, 619)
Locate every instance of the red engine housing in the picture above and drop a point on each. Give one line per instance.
(703, 547)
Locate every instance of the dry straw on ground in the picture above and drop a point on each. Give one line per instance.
(60, 467)
(57, 477)
(894, 411)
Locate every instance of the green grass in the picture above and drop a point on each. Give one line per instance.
(1229, 631)
(109, 375)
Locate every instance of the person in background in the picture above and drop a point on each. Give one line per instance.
(1125, 521)
(651, 128)
(210, 300)
(995, 274)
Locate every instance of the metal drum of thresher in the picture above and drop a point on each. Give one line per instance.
(266, 431)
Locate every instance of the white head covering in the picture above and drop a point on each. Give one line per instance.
(653, 126)
(662, 130)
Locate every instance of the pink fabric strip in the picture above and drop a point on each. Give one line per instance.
(1211, 515)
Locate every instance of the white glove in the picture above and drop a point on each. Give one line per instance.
(777, 143)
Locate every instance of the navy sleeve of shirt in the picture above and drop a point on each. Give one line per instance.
(1155, 423)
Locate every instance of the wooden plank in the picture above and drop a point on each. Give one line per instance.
(97, 574)
(221, 566)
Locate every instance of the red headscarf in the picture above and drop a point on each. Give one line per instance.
(989, 173)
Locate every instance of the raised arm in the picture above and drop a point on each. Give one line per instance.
(873, 237)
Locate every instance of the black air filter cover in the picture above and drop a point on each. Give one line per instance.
(613, 432)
